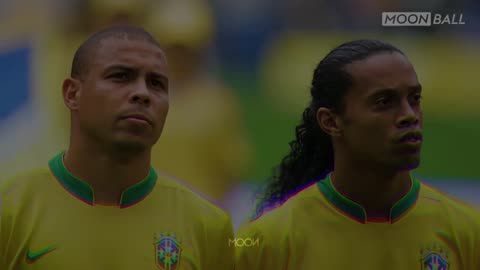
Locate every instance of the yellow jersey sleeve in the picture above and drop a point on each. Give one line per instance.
(476, 245)
(3, 229)
(8, 248)
(2, 266)
(470, 225)
(465, 235)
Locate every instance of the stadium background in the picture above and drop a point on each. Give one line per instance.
(262, 53)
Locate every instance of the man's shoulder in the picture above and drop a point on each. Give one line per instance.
(25, 180)
(21, 188)
(279, 219)
(197, 202)
(458, 211)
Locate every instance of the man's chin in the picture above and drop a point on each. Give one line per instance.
(409, 165)
(130, 146)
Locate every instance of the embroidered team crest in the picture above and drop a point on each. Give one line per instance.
(434, 258)
(167, 251)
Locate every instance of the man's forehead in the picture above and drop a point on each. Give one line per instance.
(117, 45)
(385, 70)
(380, 64)
(115, 49)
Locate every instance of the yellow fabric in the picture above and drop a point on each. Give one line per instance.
(38, 213)
(307, 232)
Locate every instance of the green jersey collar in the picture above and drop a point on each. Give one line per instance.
(84, 191)
(357, 212)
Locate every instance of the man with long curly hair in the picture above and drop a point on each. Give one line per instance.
(345, 197)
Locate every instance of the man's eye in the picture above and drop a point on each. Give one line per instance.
(383, 101)
(157, 84)
(417, 97)
(119, 76)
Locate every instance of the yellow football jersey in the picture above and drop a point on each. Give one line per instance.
(49, 220)
(321, 229)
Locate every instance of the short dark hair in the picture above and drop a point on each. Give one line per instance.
(311, 153)
(80, 61)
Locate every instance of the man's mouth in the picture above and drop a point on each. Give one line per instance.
(411, 137)
(138, 117)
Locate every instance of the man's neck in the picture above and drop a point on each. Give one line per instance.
(108, 173)
(374, 190)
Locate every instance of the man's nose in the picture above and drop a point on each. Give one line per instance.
(141, 94)
(409, 116)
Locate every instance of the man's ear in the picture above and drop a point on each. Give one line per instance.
(329, 122)
(71, 90)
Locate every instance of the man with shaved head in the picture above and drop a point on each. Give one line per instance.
(100, 204)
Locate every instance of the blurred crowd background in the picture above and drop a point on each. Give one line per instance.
(240, 75)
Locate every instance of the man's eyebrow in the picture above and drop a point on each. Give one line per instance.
(382, 91)
(159, 75)
(394, 91)
(118, 67)
(125, 68)
(416, 88)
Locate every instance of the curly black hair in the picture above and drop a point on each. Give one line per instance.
(311, 153)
